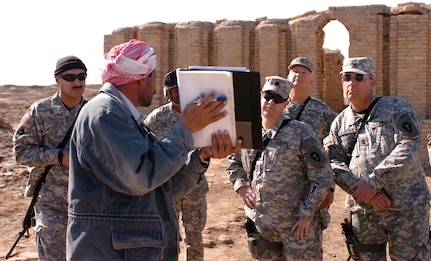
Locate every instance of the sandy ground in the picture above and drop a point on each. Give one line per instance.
(224, 234)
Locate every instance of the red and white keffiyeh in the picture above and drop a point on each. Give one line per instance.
(128, 62)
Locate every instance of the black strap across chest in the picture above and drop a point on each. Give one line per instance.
(302, 108)
(353, 141)
(265, 143)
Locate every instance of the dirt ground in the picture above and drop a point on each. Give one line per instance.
(224, 234)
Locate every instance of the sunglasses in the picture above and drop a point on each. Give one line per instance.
(349, 77)
(72, 77)
(272, 96)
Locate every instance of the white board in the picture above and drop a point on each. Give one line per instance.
(193, 84)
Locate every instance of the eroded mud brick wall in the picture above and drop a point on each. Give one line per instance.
(398, 38)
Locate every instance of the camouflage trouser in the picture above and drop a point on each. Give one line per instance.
(309, 248)
(406, 231)
(192, 212)
(50, 233)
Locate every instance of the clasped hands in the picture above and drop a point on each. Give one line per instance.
(364, 193)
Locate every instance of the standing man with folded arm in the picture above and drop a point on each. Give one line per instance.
(36, 141)
(374, 147)
(191, 208)
(122, 178)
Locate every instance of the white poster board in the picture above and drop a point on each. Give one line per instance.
(195, 83)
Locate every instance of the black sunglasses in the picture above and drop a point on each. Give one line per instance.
(71, 77)
(349, 77)
(272, 96)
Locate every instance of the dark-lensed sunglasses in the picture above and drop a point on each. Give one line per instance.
(349, 77)
(272, 96)
(71, 77)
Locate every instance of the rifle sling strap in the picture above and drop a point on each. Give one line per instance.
(302, 108)
(60, 146)
(26, 224)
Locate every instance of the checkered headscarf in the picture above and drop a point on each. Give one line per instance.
(128, 62)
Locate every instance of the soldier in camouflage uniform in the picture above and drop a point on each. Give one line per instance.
(41, 130)
(192, 208)
(302, 106)
(290, 180)
(388, 194)
(312, 111)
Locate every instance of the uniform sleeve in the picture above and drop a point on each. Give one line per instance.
(406, 137)
(329, 118)
(319, 173)
(237, 174)
(29, 140)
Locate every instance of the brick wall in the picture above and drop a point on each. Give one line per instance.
(398, 38)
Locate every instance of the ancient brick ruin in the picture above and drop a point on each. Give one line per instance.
(398, 38)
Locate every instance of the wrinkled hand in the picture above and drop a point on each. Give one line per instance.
(197, 116)
(221, 146)
(328, 200)
(301, 227)
(363, 191)
(379, 201)
(248, 196)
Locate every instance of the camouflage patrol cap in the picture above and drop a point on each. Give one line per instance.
(279, 85)
(362, 65)
(303, 61)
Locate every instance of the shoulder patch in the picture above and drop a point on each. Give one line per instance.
(406, 125)
(26, 122)
(315, 157)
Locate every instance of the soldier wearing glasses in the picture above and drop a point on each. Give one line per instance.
(381, 172)
(291, 178)
(312, 111)
(41, 130)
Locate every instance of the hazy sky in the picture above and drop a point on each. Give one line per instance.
(35, 33)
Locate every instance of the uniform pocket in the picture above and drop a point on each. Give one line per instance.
(270, 157)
